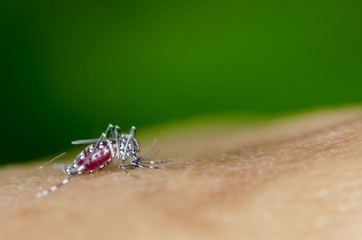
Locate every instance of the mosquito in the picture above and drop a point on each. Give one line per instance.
(101, 152)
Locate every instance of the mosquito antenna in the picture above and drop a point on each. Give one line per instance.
(150, 151)
(41, 167)
(55, 187)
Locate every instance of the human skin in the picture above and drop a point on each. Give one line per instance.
(294, 178)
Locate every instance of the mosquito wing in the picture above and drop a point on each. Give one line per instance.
(88, 141)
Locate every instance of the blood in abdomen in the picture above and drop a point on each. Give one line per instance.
(99, 157)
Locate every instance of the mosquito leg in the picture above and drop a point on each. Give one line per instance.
(110, 126)
(124, 167)
(145, 166)
(135, 145)
(159, 161)
(42, 166)
(52, 189)
(125, 148)
(129, 166)
(118, 154)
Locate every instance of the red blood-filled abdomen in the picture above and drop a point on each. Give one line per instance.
(98, 157)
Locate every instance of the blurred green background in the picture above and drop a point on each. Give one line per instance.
(72, 67)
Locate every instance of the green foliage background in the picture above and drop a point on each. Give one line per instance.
(72, 67)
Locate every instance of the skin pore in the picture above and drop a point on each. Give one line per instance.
(293, 178)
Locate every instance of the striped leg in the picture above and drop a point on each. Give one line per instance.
(55, 187)
(118, 154)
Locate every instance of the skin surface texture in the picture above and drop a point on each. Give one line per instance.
(293, 178)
